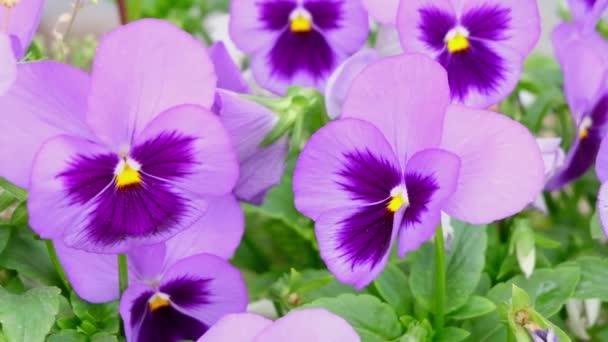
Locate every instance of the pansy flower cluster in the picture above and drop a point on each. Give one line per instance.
(379, 120)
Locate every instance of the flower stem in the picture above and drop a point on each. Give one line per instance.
(58, 268)
(122, 12)
(123, 273)
(440, 281)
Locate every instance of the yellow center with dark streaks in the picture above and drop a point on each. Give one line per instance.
(158, 302)
(458, 43)
(300, 24)
(396, 203)
(128, 176)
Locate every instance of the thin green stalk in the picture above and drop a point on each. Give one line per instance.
(440, 282)
(58, 268)
(123, 273)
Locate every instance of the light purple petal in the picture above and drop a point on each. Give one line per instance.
(23, 23)
(219, 232)
(493, 148)
(93, 276)
(217, 170)
(228, 293)
(229, 75)
(512, 62)
(340, 81)
(384, 11)
(601, 164)
(51, 210)
(409, 21)
(47, 99)
(243, 327)
(248, 124)
(352, 32)
(317, 181)
(584, 61)
(602, 206)
(405, 97)
(245, 25)
(309, 325)
(8, 64)
(443, 167)
(331, 229)
(141, 70)
(524, 25)
(127, 300)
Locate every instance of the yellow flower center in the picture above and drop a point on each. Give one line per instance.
(127, 175)
(584, 128)
(300, 23)
(458, 43)
(396, 203)
(159, 300)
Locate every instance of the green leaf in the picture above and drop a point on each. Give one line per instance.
(549, 289)
(374, 320)
(30, 316)
(29, 257)
(272, 243)
(5, 235)
(416, 331)
(464, 267)
(17, 192)
(103, 316)
(597, 232)
(6, 200)
(297, 288)
(393, 287)
(475, 307)
(451, 334)
(67, 336)
(594, 273)
(104, 337)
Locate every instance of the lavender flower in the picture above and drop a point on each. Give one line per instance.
(297, 326)
(178, 288)
(583, 56)
(247, 123)
(481, 43)
(131, 166)
(18, 23)
(398, 157)
(297, 42)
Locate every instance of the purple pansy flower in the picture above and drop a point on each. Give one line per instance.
(398, 157)
(179, 288)
(297, 42)
(481, 43)
(304, 325)
(136, 163)
(583, 56)
(18, 23)
(247, 123)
